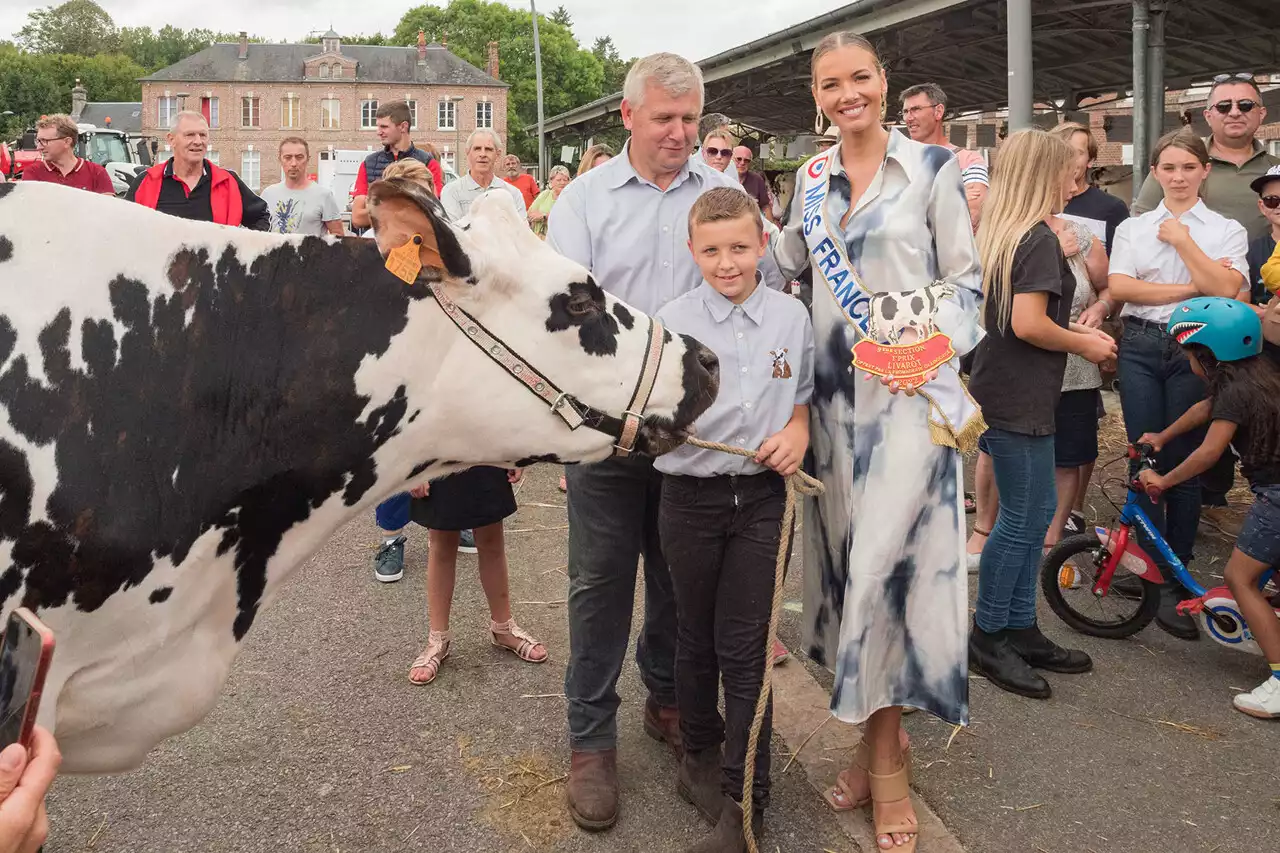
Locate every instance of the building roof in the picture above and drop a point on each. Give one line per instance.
(1081, 48)
(124, 115)
(283, 63)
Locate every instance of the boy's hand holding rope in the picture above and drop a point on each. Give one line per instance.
(797, 483)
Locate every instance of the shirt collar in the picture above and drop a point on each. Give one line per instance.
(621, 172)
(53, 168)
(720, 307)
(898, 150)
(399, 155)
(1197, 211)
(472, 184)
(1258, 149)
(168, 167)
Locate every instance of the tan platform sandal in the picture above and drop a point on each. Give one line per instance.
(862, 759)
(528, 646)
(439, 644)
(893, 788)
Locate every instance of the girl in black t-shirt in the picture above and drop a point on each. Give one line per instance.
(1017, 379)
(1223, 341)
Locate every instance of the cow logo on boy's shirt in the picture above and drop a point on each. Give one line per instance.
(781, 369)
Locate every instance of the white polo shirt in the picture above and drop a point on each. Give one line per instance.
(457, 196)
(1138, 252)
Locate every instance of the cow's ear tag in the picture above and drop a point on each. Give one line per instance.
(403, 261)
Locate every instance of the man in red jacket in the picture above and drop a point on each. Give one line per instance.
(189, 186)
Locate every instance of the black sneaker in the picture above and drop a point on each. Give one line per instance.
(992, 655)
(1170, 620)
(467, 543)
(388, 563)
(1042, 653)
(1075, 523)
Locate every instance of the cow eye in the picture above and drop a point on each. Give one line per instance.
(581, 304)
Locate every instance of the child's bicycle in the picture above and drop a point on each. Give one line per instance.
(1082, 581)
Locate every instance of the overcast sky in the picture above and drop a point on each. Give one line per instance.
(693, 29)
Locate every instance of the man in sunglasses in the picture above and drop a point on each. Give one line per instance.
(1234, 113)
(1260, 250)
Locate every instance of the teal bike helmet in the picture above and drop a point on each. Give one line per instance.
(1228, 328)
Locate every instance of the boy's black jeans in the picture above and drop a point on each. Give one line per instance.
(720, 538)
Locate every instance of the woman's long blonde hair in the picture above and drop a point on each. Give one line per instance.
(1026, 187)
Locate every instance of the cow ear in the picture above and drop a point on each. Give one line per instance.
(404, 207)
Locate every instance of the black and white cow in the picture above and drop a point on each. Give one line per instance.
(188, 411)
(894, 313)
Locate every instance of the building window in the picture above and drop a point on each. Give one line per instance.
(211, 155)
(166, 109)
(413, 114)
(447, 158)
(368, 115)
(484, 114)
(250, 169)
(337, 70)
(250, 113)
(330, 113)
(209, 109)
(290, 113)
(1275, 147)
(445, 116)
(324, 70)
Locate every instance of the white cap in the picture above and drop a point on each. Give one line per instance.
(832, 132)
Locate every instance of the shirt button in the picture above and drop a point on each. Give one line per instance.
(666, 263)
(666, 228)
(744, 369)
(741, 440)
(739, 335)
(747, 404)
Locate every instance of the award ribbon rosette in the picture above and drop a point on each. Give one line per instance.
(954, 417)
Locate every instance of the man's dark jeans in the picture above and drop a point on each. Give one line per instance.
(613, 520)
(1156, 388)
(720, 535)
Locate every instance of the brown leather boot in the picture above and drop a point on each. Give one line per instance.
(663, 724)
(698, 781)
(727, 837)
(592, 791)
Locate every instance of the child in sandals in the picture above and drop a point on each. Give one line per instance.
(476, 499)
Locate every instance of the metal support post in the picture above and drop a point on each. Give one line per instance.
(1141, 138)
(1155, 73)
(1021, 70)
(537, 67)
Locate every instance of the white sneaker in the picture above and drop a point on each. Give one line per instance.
(1262, 702)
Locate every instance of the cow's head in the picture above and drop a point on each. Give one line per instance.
(554, 316)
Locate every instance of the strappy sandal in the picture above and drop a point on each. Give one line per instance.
(439, 644)
(893, 788)
(862, 760)
(524, 651)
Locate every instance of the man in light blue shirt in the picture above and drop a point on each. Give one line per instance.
(627, 222)
(483, 152)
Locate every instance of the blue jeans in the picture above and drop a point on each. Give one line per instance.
(1023, 466)
(1156, 388)
(393, 513)
(613, 520)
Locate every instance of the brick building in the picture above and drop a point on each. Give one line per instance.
(255, 94)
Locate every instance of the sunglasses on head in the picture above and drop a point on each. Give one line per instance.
(1271, 202)
(1243, 76)
(719, 152)
(1246, 106)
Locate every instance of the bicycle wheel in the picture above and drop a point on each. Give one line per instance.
(1067, 576)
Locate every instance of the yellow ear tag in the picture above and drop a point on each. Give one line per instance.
(404, 263)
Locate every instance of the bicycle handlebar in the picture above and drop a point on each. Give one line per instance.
(1144, 454)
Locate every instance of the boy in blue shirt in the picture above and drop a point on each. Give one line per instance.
(721, 515)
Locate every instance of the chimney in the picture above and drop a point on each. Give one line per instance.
(422, 48)
(244, 44)
(79, 97)
(492, 68)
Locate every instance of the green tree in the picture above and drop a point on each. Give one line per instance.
(26, 90)
(109, 77)
(615, 67)
(571, 76)
(76, 26)
(561, 16)
(377, 39)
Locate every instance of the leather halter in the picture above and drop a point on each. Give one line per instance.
(624, 430)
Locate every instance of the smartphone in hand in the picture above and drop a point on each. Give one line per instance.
(25, 653)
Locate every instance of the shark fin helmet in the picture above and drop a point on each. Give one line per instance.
(1228, 328)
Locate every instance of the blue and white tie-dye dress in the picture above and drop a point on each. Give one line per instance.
(886, 605)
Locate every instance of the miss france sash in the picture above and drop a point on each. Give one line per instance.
(955, 420)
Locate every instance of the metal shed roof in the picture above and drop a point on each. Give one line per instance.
(1080, 48)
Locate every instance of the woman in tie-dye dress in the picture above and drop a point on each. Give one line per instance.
(885, 595)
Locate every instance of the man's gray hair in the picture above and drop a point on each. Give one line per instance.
(186, 114)
(483, 131)
(931, 90)
(674, 74)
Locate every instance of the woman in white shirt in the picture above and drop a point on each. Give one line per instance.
(1180, 250)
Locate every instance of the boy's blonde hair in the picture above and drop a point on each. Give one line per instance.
(722, 204)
